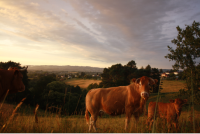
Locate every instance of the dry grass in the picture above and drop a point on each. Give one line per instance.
(172, 86)
(81, 82)
(48, 122)
(71, 124)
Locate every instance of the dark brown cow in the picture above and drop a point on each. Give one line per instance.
(170, 111)
(11, 79)
(118, 100)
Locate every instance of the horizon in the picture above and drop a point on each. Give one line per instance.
(91, 66)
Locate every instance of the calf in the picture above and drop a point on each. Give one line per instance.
(170, 111)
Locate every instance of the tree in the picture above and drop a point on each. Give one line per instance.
(148, 70)
(38, 87)
(54, 93)
(131, 64)
(186, 52)
(83, 74)
(161, 71)
(118, 75)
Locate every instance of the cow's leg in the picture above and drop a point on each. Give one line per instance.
(175, 125)
(127, 120)
(169, 125)
(149, 122)
(90, 125)
(93, 120)
(136, 116)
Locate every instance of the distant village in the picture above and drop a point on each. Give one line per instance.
(170, 73)
(63, 75)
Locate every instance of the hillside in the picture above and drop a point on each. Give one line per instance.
(64, 68)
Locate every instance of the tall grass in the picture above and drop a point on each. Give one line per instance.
(24, 121)
(55, 123)
(158, 96)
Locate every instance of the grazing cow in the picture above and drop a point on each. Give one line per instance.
(170, 111)
(118, 100)
(11, 79)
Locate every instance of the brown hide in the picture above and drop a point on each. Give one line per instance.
(10, 79)
(118, 100)
(170, 111)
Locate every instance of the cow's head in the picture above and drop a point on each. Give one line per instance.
(144, 84)
(17, 84)
(178, 103)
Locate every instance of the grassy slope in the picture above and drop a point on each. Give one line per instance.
(172, 86)
(82, 83)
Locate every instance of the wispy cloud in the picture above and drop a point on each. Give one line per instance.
(101, 32)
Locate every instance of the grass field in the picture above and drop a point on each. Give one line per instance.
(82, 83)
(172, 86)
(24, 120)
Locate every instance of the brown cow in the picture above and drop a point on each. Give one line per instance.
(170, 111)
(11, 79)
(118, 100)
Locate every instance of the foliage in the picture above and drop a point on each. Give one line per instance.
(37, 88)
(187, 47)
(92, 86)
(119, 75)
(186, 52)
(131, 64)
(52, 95)
(58, 95)
(161, 71)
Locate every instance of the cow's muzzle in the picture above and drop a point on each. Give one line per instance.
(145, 95)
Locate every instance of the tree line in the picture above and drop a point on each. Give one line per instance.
(119, 75)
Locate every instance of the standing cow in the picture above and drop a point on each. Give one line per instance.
(11, 79)
(170, 111)
(118, 100)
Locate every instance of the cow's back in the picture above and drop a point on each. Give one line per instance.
(164, 110)
(161, 109)
(151, 109)
(110, 100)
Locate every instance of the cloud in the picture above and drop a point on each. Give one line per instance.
(109, 31)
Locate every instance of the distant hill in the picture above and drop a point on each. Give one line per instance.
(69, 68)
(166, 70)
(64, 68)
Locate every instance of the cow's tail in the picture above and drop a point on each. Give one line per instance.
(87, 116)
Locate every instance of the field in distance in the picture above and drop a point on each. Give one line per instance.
(82, 83)
(168, 85)
(172, 86)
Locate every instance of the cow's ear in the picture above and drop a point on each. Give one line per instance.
(133, 80)
(137, 81)
(152, 81)
(155, 80)
(172, 101)
(185, 100)
(16, 72)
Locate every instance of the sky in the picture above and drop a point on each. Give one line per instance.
(96, 33)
